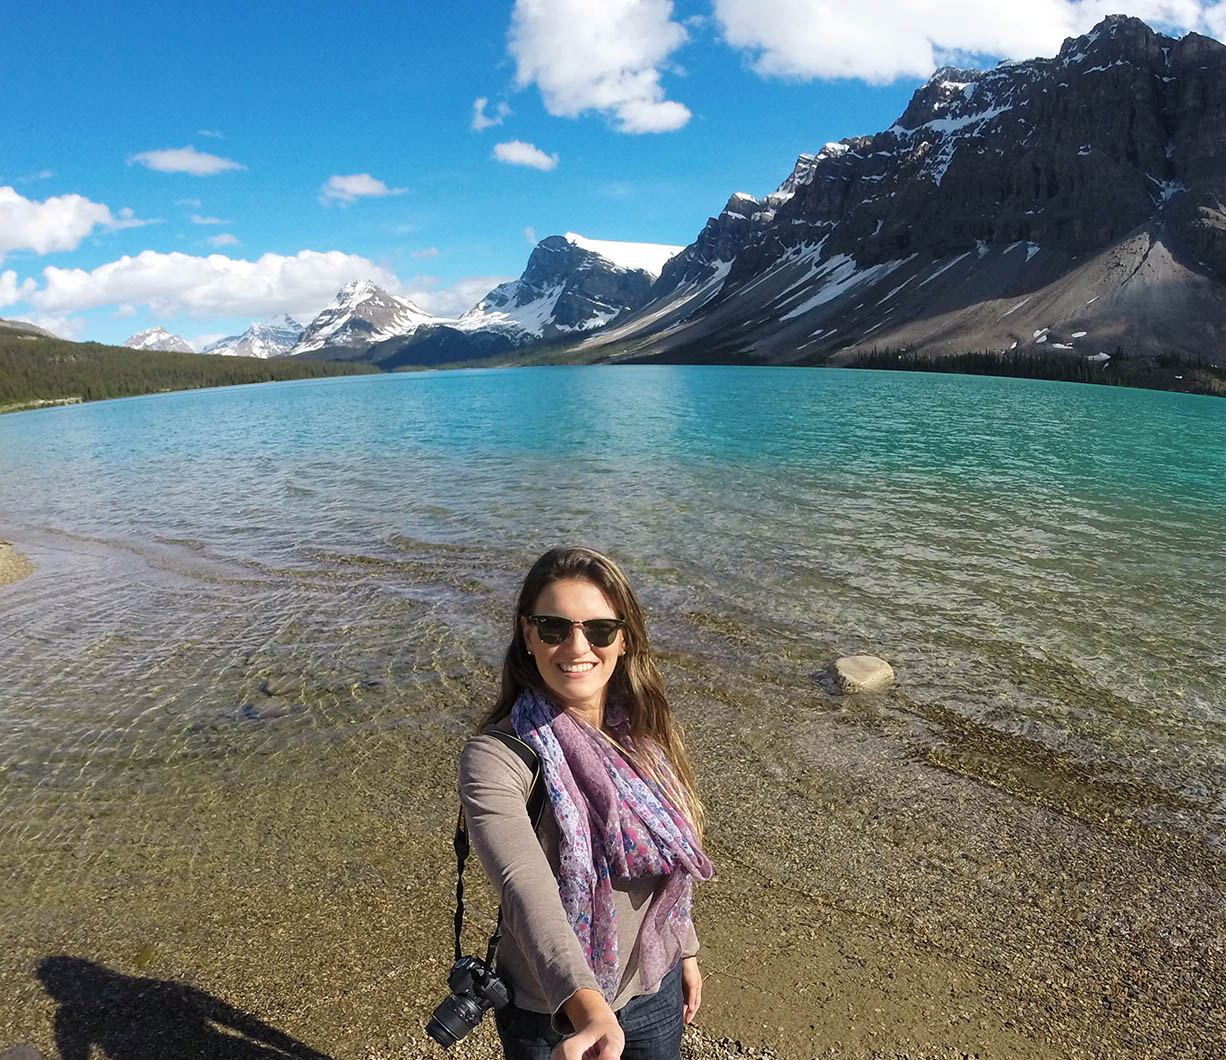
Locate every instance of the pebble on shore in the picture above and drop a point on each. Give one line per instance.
(13, 565)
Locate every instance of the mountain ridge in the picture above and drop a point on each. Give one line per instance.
(1068, 158)
(263, 338)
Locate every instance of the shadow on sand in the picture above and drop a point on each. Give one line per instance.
(152, 1019)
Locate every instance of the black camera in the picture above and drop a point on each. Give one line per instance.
(474, 991)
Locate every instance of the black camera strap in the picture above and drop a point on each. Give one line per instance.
(535, 805)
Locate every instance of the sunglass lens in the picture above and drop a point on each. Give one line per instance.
(600, 632)
(552, 630)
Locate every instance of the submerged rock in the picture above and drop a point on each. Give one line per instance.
(861, 673)
(283, 685)
(269, 707)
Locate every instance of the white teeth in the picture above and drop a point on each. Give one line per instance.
(576, 668)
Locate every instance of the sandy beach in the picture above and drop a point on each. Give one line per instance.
(13, 565)
(944, 914)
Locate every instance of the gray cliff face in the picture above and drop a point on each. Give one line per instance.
(991, 186)
(592, 290)
(564, 288)
(1070, 153)
(720, 241)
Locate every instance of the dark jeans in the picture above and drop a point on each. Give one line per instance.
(653, 1024)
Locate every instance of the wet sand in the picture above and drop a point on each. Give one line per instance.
(13, 565)
(946, 912)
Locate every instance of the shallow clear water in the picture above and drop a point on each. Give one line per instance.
(1040, 562)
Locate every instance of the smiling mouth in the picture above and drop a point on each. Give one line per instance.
(576, 668)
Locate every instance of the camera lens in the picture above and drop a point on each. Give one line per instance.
(453, 1019)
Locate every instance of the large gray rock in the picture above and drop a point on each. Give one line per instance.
(861, 673)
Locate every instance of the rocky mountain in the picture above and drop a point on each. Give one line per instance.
(271, 338)
(157, 339)
(359, 317)
(571, 284)
(1071, 204)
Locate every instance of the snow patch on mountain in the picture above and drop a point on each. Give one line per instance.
(642, 257)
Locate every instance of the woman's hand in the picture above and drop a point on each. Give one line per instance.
(691, 987)
(598, 1035)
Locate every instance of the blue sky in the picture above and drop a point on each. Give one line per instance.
(200, 166)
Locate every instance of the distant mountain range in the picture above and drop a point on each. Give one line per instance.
(272, 338)
(571, 285)
(1072, 207)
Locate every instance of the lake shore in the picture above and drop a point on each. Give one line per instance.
(238, 680)
(941, 917)
(13, 565)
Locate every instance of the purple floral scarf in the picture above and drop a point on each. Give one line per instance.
(613, 824)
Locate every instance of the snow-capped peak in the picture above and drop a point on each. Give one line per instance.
(270, 338)
(362, 314)
(357, 290)
(643, 257)
(157, 338)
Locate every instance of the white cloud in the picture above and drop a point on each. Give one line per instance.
(213, 286)
(804, 39)
(481, 120)
(530, 234)
(354, 187)
(42, 174)
(216, 134)
(224, 239)
(126, 218)
(449, 301)
(426, 252)
(11, 291)
(58, 223)
(198, 220)
(518, 153)
(194, 204)
(605, 57)
(184, 160)
(199, 342)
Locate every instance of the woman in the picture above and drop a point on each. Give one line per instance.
(598, 943)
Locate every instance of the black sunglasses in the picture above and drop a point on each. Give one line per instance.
(599, 632)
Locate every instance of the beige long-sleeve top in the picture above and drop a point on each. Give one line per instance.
(539, 952)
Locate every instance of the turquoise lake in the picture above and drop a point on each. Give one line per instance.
(1045, 562)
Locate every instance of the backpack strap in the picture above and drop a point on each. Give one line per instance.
(535, 807)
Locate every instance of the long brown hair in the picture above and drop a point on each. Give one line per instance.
(636, 681)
